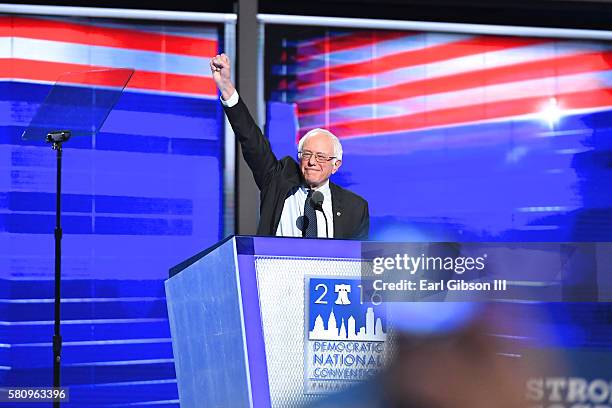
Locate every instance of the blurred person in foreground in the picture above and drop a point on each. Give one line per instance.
(288, 207)
(448, 361)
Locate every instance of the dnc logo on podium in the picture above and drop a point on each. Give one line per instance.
(344, 334)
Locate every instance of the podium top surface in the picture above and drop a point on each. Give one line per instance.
(280, 246)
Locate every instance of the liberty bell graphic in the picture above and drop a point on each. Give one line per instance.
(342, 291)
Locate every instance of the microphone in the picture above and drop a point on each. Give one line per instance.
(317, 202)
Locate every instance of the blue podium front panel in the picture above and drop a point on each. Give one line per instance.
(207, 332)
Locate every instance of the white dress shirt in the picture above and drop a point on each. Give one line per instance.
(232, 101)
(293, 209)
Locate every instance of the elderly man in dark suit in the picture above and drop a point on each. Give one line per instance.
(290, 200)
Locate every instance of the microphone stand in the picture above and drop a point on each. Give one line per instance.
(56, 139)
(320, 208)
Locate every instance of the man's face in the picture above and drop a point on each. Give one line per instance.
(316, 173)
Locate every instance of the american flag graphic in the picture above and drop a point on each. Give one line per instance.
(169, 60)
(370, 83)
(454, 136)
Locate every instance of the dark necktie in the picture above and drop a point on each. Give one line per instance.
(310, 218)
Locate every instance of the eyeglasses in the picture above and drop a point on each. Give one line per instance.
(319, 157)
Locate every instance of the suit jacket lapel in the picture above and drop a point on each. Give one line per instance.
(338, 210)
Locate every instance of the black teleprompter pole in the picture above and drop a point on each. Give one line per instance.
(57, 139)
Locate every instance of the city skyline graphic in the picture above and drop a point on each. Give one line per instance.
(348, 330)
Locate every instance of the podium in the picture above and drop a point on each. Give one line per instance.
(281, 322)
(252, 319)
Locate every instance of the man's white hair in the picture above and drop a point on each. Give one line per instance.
(335, 141)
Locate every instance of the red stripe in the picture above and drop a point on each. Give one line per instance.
(108, 37)
(146, 80)
(347, 42)
(468, 114)
(428, 55)
(572, 64)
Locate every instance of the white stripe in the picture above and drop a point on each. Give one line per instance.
(487, 60)
(83, 300)
(382, 49)
(97, 342)
(83, 321)
(122, 121)
(121, 362)
(198, 31)
(553, 208)
(71, 53)
(550, 86)
(169, 93)
(572, 152)
(107, 215)
(309, 42)
(6, 47)
(572, 132)
(538, 228)
(512, 56)
(128, 89)
(527, 117)
(126, 383)
(144, 403)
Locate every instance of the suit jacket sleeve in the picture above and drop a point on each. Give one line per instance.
(256, 148)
